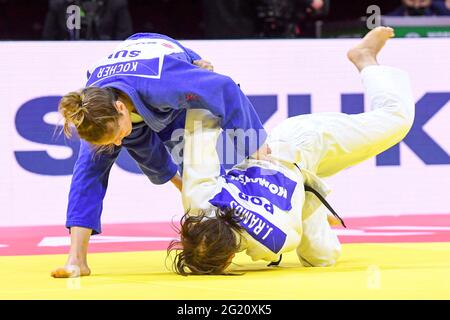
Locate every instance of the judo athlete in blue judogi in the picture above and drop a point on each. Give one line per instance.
(135, 99)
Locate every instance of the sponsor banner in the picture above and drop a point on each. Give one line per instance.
(282, 78)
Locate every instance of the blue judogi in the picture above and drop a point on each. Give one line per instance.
(157, 73)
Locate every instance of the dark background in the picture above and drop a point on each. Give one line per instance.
(181, 19)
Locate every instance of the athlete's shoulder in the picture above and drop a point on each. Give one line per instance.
(148, 35)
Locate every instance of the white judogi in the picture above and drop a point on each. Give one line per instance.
(279, 216)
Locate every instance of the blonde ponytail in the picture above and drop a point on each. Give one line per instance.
(72, 109)
(89, 110)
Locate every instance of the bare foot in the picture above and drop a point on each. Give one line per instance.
(71, 271)
(365, 52)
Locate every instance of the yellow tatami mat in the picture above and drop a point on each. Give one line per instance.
(365, 271)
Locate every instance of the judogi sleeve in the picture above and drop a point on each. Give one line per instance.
(192, 54)
(88, 187)
(91, 173)
(185, 86)
(201, 164)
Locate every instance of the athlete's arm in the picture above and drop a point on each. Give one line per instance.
(87, 190)
(201, 164)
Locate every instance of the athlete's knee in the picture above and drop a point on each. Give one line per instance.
(406, 111)
(406, 120)
(402, 109)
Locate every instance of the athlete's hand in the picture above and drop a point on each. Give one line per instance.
(71, 271)
(204, 64)
(176, 180)
(263, 153)
(76, 265)
(333, 221)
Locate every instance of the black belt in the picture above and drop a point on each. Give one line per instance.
(322, 199)
(325, 203)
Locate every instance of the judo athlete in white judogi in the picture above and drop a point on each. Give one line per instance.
(274, 205)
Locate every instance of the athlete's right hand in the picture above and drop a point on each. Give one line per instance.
(204, 64)
(262, 153)
(76, 264)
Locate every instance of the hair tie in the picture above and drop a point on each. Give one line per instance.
(78, 115)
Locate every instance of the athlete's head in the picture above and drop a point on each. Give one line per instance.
(99, 115)
(208, 242)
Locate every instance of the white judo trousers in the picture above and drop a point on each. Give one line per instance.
(323, 144)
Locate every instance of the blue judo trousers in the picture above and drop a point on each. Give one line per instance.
(158, 75)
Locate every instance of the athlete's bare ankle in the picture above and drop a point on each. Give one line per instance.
(361, 58)
(362, 66)
(75, 260)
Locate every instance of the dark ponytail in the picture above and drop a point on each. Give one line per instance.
(207, 242)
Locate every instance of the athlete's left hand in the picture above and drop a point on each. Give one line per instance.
(204, 64)
(333, 221)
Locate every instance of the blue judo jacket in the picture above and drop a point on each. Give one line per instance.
(157, 73)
